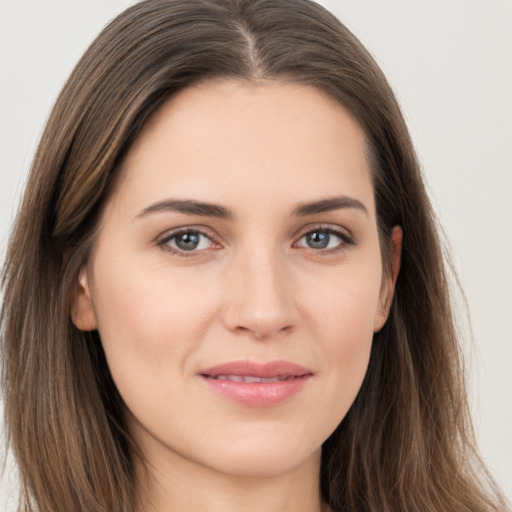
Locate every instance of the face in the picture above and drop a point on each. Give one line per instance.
(236, 281)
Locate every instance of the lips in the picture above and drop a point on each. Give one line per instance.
(255, 384)
(250, 378)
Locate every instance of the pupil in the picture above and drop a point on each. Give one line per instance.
(318, 240)
(187, 241)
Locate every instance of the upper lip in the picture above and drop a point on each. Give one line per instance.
(255, 369)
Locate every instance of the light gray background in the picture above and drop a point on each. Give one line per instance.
(450, 62)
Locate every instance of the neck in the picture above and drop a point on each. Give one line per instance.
(182, 485)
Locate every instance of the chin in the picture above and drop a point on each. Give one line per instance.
(265, 458)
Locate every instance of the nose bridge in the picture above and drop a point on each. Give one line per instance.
(261, 300)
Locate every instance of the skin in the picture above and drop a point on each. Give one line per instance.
(253, 289)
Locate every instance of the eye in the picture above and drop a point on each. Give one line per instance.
(324, 239)
(186, 241)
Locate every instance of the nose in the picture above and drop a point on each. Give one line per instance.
(260, 300)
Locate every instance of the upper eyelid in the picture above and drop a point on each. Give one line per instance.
(171, 233)
(333, 228)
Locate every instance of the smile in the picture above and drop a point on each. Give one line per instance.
(251, 378)
(255, 384)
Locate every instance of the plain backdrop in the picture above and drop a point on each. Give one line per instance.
(450, 63)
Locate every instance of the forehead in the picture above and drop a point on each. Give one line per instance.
(227, 141)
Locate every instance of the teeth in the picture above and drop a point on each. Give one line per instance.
(249, 378)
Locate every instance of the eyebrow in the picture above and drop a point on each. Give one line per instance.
(188, 207)
(329, 204)
(203, 209)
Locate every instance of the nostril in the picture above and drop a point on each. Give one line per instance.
(262, 334)
(259, 320)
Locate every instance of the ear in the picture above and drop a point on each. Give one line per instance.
(388, 281)
(82, 311)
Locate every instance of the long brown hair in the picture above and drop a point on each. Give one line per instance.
(405, 445)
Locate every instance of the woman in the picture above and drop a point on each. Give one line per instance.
(225, 287)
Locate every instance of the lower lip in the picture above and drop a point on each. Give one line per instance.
(258, 394)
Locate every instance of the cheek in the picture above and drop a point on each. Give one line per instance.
(344, 305)
(342, 317)
(148, 316)
(151, 322)
(140, 295)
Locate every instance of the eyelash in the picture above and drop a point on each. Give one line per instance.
(163, 242)
(345, 240)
